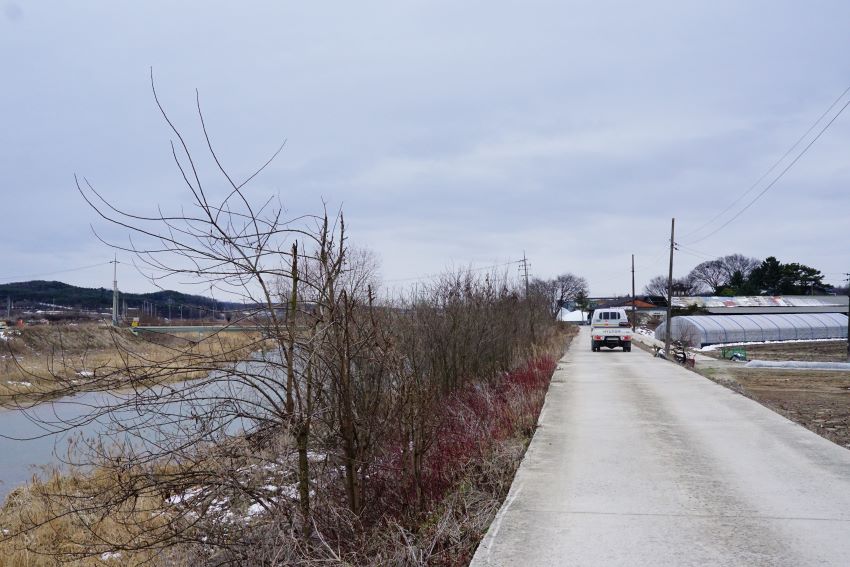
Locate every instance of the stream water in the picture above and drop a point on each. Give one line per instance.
(28, 443)
(38, 437)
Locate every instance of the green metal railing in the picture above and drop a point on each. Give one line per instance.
(733, 352)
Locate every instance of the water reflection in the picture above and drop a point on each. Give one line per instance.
(151, 420)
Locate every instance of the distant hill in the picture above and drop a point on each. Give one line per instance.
(58, 293)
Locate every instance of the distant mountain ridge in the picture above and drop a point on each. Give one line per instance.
(66, 295)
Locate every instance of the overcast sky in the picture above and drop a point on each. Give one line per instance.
(451, 133)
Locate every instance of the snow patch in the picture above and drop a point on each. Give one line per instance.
(184, 497)
(255, 509)
(719, 346)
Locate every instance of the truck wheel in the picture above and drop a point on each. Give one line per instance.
(627, 347)
(593, 346)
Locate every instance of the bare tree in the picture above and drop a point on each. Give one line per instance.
(201, 432)
(681, 286)
(461, 326)
(712, 274)
(241, 456)
(718, 274)
(656, 286)
(559, 290)
(687, 335)
(738, 263)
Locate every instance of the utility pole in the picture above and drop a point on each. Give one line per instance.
(634, 309)
(670, 290)
(115, 291)
(524, 263)
(527, 298)
(848, 316)
(9, 307)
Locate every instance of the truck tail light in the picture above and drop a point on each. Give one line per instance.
(627, 338)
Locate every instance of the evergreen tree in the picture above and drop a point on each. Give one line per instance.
(767, 277)
(775, 278)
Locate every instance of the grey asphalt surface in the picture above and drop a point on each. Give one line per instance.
(638, 461)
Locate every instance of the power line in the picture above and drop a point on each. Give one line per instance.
(652, 262)
(439, 274)
(638, 267)
(772, 167)
(693, 252)
(699, 256)
(777, 178)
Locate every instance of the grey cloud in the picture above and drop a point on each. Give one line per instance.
(13, 11)
(450, 132)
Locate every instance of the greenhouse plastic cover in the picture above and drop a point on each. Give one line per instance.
(720, 329)
(837, 301)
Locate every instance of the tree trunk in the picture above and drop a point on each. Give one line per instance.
(302, 436)
(290, 325)
(347, 426)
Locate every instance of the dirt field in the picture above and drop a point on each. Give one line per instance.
(817, 399)
(819, 351)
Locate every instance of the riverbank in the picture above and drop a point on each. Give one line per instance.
(483, 431)
(57, 360)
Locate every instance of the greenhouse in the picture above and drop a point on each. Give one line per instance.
(704, 330)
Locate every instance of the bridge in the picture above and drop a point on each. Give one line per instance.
(198, 329)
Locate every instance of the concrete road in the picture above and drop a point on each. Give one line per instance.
(638, 461)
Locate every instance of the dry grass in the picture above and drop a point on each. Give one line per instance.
(139, 516)
(37, 527)
(38, 530)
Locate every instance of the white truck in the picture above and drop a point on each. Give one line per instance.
(610, 328)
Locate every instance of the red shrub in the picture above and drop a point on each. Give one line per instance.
(470, 423)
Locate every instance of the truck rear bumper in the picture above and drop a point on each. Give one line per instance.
(611, 341)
